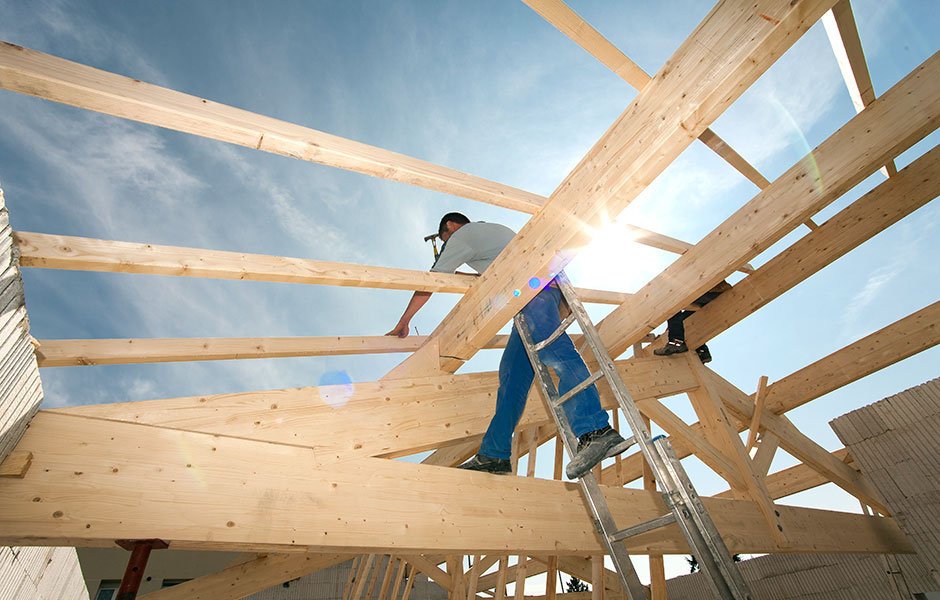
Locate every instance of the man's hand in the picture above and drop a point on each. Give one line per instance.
(418, 300)
(401, 330)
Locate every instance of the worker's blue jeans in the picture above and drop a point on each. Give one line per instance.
(515, 377)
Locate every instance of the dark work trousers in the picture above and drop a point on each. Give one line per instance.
(675, 328)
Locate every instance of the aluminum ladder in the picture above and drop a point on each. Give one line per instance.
(680, 497)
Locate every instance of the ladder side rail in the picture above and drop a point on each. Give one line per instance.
(629, 579)
(640, 432)
(710, 550)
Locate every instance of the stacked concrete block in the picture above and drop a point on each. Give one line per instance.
(896, 443)
(26, 573)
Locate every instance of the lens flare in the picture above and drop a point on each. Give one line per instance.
(535, 283)
(516, 293)
(335, 388)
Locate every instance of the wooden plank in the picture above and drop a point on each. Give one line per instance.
(913, 187)
(16, 464)
(728, 51)
(872, 353)
(840, 27)
(94, 481)
(47, 251)
(759, 397)
(44, 76)
(51, 78)
(68, 353)
(905, 114)
(248, 578)
(387, 418)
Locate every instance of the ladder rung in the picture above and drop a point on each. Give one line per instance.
(662, 521)
(557, 333)
(579, 388)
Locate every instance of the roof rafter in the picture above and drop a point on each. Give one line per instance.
(52, 78)
(904, 115)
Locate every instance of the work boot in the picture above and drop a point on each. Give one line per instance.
(485, 464)
(593, 447)
(671, 347)
(704, 354)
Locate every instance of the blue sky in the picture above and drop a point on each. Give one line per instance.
(485, 87)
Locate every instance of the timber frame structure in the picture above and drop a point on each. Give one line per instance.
(307, 493)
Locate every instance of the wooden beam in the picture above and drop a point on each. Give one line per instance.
(840, 27)
(387, 418)
(68, 353)
(905, 114)
(759, 397)
(707, 403)
(16, 464)
(881, 349)
(889, 202)
(98, 481)
(799, 445)
(248, 578)
(727, 52)
(51, 78)
(430, 568)
(872, 353)
(88, 254)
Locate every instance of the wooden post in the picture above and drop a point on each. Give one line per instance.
(657, 564)
(520, 578)
(760, 397)
(387, 579)
(597, 577)
(356, 563)
(362, 577)
(551, 574)
(411, 581)
(399, 575)
(473, 577)
(501, 577)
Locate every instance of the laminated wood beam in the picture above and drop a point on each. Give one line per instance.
(68, 353)
(904, 115)
(840, 27)
(580, 31)
(892, 200)
(872, 353)
(248, 578)
(88, 254)
(727, 52)
(52, 78)
(388, 418)
(95, 481)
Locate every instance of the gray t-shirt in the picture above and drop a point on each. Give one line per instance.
(476, 244)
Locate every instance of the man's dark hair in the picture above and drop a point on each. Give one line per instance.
(456, 217)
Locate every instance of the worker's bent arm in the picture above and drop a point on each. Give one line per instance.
(418, 300)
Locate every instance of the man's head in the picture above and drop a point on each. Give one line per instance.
(450, 223)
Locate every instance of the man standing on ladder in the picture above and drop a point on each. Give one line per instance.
(478, 244)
